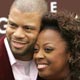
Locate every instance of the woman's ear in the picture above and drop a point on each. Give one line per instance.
(70, 57)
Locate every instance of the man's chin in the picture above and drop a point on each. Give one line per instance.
(17, 51)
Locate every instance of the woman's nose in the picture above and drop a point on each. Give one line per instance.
(39, 54)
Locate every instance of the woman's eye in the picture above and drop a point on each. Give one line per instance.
(36, 50)
(48, 50)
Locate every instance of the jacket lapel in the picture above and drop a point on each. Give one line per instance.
(5, 67)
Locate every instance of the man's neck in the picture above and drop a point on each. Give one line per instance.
(27, 57)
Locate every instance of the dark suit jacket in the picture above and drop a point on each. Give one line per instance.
(5, 67)
(39, 78)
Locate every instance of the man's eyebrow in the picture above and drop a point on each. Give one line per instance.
(11, 22)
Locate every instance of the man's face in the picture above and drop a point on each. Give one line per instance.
(22, 30)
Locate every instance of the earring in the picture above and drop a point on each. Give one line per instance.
(70, 60)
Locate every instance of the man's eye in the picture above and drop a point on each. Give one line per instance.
(48, 50)
(29, 28)
(13, 25)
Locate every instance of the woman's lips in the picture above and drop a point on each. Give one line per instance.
(42, 66)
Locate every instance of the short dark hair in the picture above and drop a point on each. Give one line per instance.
(30, 6)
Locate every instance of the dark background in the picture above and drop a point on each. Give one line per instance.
(70, 5)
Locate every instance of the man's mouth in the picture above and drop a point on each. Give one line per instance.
(18, 44)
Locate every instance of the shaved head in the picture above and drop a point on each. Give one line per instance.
(31, 6)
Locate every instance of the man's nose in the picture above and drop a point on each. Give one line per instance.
(19, 33)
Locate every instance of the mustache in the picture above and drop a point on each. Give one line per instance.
(20, 40)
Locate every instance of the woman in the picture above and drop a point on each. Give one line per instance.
(57, 50)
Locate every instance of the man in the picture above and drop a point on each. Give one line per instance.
(16, 48)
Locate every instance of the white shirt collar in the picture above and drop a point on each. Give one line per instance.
(33, 69)
(10, 55)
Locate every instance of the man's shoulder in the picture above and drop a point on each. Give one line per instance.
(2, 42)
(2, 38)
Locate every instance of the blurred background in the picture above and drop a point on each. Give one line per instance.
(69, 5)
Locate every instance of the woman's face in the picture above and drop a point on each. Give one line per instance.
(50, 55)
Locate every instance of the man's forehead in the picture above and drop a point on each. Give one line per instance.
(16, 12)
